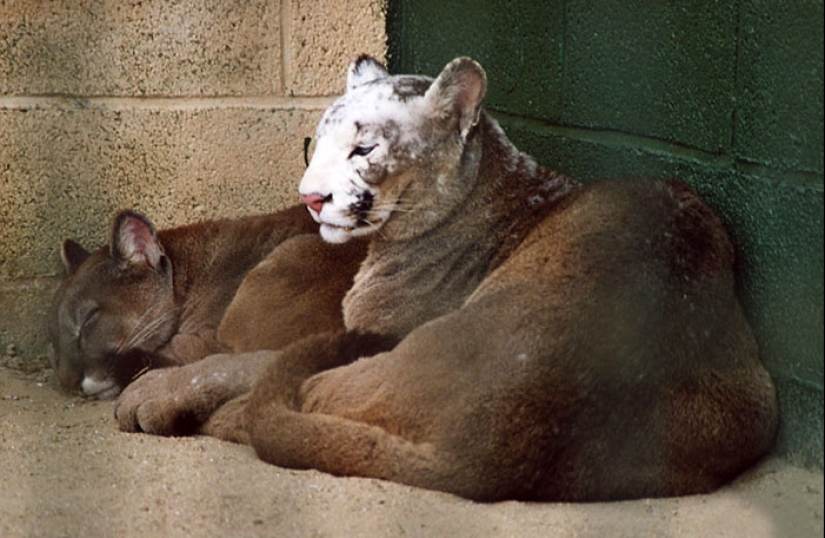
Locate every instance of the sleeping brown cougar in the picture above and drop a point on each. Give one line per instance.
(153, 299)
(511, 334)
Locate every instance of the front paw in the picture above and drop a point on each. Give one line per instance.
(179, 400)
(155, 403)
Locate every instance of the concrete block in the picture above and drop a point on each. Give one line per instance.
(325, 37)
(23, 322)
(66, 169)
(779, 229)
(801, 427)
(111, 47)
(780, 93)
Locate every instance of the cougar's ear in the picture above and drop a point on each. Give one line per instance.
(73, 255)
(458, 92)
(135, 241)
(364, 70)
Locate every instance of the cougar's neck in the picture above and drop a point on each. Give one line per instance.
(403, 284)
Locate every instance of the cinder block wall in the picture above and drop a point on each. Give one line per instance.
(725, 95)
(185, 110)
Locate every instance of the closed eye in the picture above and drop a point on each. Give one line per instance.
(361, 151)
(87, 315)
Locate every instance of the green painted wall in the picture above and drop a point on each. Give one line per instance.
(725, 95)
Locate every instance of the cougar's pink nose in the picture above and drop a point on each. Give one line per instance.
(314, 201)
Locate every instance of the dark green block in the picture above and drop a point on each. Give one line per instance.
(778, 229)
(801, 421)
(516, 42)
(780, 118)
(661, 69)
(589, 156)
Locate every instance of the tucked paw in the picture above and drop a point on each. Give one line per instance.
(153, 404)
(179, 400)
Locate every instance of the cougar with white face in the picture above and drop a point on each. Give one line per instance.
(511, 334)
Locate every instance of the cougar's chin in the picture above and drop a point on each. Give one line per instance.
(335, 233)
(97, 389)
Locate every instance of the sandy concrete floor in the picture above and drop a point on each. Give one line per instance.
(67, 471)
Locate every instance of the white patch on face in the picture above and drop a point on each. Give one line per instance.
(100, 389)
(357, 144)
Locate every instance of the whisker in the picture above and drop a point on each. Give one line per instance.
(136, 330)
(395, 205)
(395, 209)
(144, 329)
(376, 229)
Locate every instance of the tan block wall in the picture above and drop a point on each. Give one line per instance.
(185, 110)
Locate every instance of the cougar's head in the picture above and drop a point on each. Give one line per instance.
(388, 154)
(114, 308)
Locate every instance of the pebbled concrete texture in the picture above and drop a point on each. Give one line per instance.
(82, 164)
(726, 96)
(186, 110)
(320, 36)
(89, 47)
